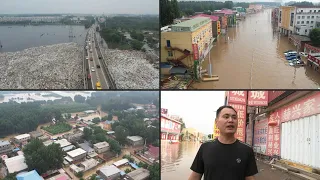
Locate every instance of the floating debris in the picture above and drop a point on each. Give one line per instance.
(58, 66)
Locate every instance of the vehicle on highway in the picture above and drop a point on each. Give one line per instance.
(91, 59)
(98, 66)
(98, 85)
(91, 50)
(92, 69)
(89, 76)
(87, 58)
(100, 57)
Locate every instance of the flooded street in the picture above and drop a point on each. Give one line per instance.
(176, 160)
(254, 44)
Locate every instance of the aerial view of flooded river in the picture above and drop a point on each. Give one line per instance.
(251, 56)
(19, 37)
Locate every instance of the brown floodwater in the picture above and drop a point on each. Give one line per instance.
(176, 159)
(254, 44)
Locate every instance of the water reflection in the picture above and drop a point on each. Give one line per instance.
(254, 56)
(176, 159)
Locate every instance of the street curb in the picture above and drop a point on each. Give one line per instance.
(299, 175)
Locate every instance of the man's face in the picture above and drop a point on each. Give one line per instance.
(227, 121)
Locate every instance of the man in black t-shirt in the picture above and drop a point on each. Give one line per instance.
(225, 158)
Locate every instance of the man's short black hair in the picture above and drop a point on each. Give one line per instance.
(222, 107)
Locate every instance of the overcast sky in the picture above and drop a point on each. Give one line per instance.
(79, 6)
(197, 108)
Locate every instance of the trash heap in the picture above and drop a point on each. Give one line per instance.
(58, 66)
(131, 69)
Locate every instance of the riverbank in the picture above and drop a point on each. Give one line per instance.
(56, 66)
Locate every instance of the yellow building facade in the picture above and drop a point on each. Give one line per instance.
(286, 19)
(177, 45)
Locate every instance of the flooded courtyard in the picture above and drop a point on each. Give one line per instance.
(251, 56)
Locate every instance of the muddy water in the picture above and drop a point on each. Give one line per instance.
(176, 159)
(255, 45)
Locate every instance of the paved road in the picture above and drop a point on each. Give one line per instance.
(266, 173)
(98, 75)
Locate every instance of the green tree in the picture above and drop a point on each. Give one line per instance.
(127, 171)
(315, 36)
(93, 177)
(136, 45)
(96, 120)
(154, 171)
(79, 174)
(121, 134)
(167, 13)
(87, 133)
(42, 158)
(175, 8)
(110, 116)
(114, 146)
(79, 99)
(228, 4)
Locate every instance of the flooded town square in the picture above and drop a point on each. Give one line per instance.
(256, 45)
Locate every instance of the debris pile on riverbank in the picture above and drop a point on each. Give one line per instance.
(58, 66)
(131, 70)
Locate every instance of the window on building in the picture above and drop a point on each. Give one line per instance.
(302, 17)
(170, 53)
(311, 27)
(301, 11)
(312, 17)
(292, 18)
(311, 22)
(318, 10)
(302, 22)
(310, 10)
(315, 11)
(308, 17)
(307, 22)
(298, 22)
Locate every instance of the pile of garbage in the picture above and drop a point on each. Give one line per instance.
(131, 69)
(58, 66)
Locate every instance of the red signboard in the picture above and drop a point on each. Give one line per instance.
(273, 139)
(313, 59)
(195, 51)
(239, 97)
(302, 108)
(258, 98)
(260, 135)
(274, 94)
(164, 111)
(241, 110)
(169, 125)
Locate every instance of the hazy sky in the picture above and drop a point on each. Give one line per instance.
(197, 108)
(79, 6)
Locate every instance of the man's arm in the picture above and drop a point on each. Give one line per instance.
(250, 178)
(197, 166)
(195, 176)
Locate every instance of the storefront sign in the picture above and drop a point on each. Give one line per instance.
(195, 51)
(302, 108)
(258, 98)
(164, 111)
(241, 110)
(273, 139)
(260, 135)
(169, 125)
(238, 97)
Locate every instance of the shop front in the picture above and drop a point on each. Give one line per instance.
(170, 129)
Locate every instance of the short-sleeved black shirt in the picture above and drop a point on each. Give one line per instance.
(225, 161)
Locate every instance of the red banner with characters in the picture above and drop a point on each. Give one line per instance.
(258, 98)
(302, 108)
(260, 135)
(273, 139)
(238, 97)
(195, 51)
(241, 110)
